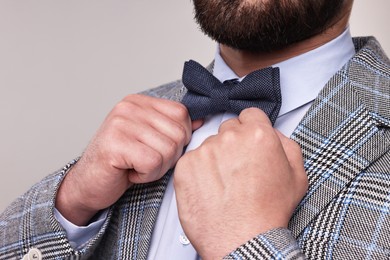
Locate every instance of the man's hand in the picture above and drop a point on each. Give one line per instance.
(139, 141)
(243, 181)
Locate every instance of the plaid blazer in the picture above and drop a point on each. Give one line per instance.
(345, 139)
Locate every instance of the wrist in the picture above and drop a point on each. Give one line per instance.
(72, 204)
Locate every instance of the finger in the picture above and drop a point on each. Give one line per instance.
(154, 107)
(254, 115)
(173, 109)
(138, 141)
(292, 150)
(178, 113)
(180, 132)
(169, 148)
(294, 156)
(196, 124)
(290, 147)
(144, 165)
(229, 125)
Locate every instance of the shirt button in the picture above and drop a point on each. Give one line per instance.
(184, 240)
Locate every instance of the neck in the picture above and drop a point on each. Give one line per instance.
(244, 62)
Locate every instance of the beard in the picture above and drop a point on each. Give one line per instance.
(265, 26)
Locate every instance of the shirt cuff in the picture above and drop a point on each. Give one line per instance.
(79, 236)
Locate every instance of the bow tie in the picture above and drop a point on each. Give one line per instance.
(206, 95)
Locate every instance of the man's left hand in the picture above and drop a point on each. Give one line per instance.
(242, 182)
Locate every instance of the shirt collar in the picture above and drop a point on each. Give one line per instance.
(303, 76)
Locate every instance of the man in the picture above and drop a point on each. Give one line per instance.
(241, 187)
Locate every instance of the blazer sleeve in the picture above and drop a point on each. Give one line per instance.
(275, 244)
(29, 224)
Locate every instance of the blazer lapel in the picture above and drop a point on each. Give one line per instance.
(345, 130)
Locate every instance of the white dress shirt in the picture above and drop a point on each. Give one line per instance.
(301, 79)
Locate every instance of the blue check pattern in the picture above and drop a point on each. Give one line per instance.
(345, 139)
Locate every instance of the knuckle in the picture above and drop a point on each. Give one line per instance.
(206, 151)
(180, 134)
(117, 121)
(181, 112)
(172, 149)
(259, 133)
(123, 108)
(228, 125)
(228, 136)
(133, 97)
(154, 162)
(132, 102)
(252, 110)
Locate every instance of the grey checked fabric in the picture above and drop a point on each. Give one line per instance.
(345, 139)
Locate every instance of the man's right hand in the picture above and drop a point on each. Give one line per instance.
(139, 141)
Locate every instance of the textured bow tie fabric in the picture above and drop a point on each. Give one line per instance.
(206, 95)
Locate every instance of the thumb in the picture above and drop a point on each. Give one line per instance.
(196, 124)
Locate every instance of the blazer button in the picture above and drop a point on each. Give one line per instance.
(33, 254)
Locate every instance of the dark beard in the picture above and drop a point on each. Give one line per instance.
(267, 25)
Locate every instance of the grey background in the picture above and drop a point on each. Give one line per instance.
(65, 64)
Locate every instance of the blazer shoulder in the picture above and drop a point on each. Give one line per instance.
(173, 90)
(370, 52)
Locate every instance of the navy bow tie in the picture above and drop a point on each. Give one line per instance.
(206, 95)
